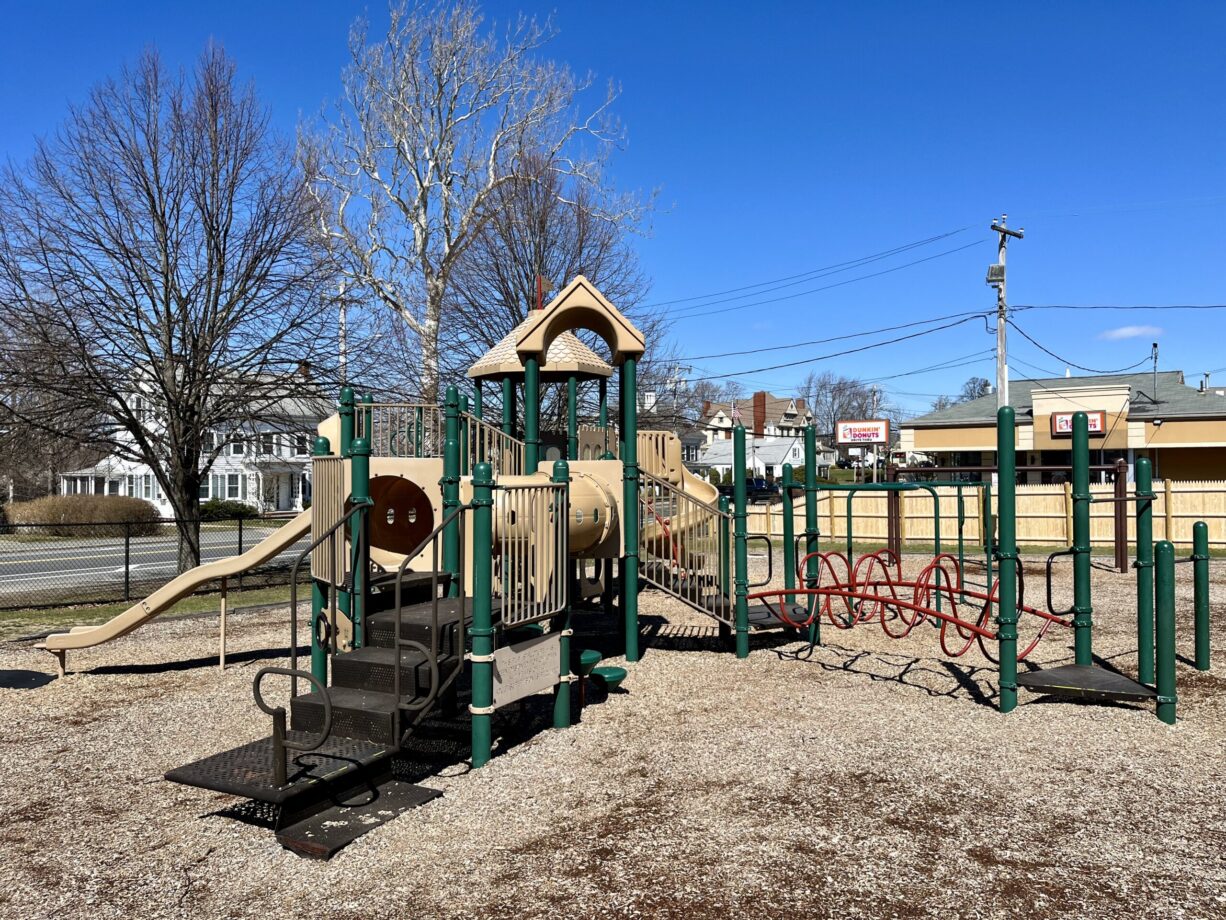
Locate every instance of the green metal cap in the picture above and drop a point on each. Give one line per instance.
(322, 447)
(346, 396)
(360, 447)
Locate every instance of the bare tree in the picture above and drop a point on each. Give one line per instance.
(974, 388)
(436, 118)
(832, 397)
(158, 275)
(943, 402)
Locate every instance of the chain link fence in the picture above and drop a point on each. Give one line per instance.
(79, 566)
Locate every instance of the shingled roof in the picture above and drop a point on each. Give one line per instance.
(567, 355)
(1175, 399)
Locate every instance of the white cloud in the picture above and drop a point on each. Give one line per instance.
(1130, 332)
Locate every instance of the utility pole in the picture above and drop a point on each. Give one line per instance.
(876, 448)
(996, 279)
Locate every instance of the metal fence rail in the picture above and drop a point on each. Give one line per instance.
(682, 545)
(531, 561)
(37, 570)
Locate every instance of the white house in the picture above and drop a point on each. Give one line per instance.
(266, 465)
(764, 456)
(763, 415)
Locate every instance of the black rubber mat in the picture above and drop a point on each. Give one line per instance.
(1086, 682)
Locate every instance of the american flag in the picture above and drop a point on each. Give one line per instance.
(736, 413)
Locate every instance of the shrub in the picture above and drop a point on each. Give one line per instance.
(219, 509)
(102, 515)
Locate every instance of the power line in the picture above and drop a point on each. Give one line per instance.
(850, 351)
(1109, 306)
(1079, 367)
(701, 310)
(836, 338)
(807, 275)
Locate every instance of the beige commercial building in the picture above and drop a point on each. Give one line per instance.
(1181, 428)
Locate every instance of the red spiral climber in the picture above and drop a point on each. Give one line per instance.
(847, 594)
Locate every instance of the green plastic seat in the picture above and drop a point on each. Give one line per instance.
(610, 675)
(588, 659)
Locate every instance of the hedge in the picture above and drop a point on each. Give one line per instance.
(106, 514)
(218, 509)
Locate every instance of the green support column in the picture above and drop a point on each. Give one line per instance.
(630, 468)
(451, 487)
(1083, 615)
(604, 413)
(1006, 554)
(812, 531)
(346, 413)
(508, 406)
(789, 533)
(561, 693)
(360, 496)
(478, 403)
(572, 418)
(1200, 592)
(319, 597)
(482, 630)
(464, 458)
(532, 414)
(1164, 602)
(741, 539)
(1144, 485)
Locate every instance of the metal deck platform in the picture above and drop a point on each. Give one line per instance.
(1084, 681)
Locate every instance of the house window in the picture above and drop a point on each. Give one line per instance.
(268, 443)
(302, 445)
(204, 489)
(238, 447)
(132, 486)
(112, 487)
(232, 485)
(148, 485)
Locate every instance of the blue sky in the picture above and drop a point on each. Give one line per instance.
(784, 137)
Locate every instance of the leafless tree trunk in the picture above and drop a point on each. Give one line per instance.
(436, 118)
(159, 276)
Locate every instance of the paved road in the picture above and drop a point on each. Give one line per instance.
(27, 568)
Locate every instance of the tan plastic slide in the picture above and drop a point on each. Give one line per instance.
(180, 587)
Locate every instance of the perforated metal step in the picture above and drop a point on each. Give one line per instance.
(373, 668)
(1085, 681)
(356, 713)
(247, 770)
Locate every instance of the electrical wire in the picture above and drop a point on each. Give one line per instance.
(701, 310)
(836, 338)
(813, 272)
(1079, 367)
(1109, 306)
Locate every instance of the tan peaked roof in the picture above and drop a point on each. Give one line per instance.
(567, 355)
(580, 306)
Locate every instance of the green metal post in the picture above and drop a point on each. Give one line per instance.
(360, 495)
(1164, 602)
(478, 402)
(464, 458)
(532, 413)
(482, 630)
(740, 537)
(1083, 614)
(604, 412)
(346, 413)
(789, 533)
(508, 406)
(1144, 485)
(561, 693)
(418, 435)
(812, 531)
(630, 473)
(1200, 589)
(451, 487)
(572, 418)
(319, 597)
(1006, 554)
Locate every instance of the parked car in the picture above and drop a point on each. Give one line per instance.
(757, 491)
(843, 463)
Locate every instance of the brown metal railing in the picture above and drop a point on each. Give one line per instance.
(531, 538)
(681, 543)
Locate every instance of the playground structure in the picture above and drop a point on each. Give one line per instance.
(448, 550)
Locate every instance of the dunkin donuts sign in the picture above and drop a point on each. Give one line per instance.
(872, 431)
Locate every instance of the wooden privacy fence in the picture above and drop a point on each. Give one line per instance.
(1044, 515)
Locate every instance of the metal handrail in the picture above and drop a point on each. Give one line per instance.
(431, 654)
(279, 743)
(770, 560)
